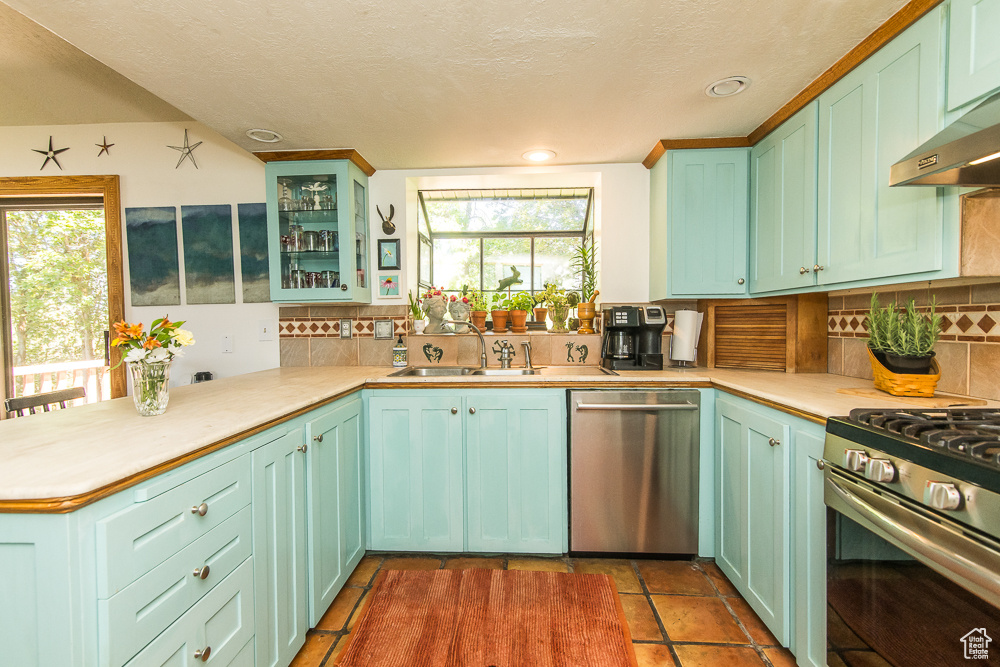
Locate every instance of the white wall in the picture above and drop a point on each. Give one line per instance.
(226, 174)
(621, 215)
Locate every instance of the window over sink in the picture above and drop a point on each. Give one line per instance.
(471, 238)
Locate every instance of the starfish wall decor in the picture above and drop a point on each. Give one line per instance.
(50, 154)
(105, 147)
(187, 151)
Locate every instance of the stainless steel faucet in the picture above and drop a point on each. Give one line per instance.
(527, 353)
(482, 341)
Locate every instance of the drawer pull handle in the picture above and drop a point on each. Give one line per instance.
(821, 464)
(301, 448)
(202, 572)
(454, 411)
(773, 442)
(318, 438)
(472, 411)
(203, 655)
(200, 510)
(803, 270)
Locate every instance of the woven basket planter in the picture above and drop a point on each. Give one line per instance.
(899, 384)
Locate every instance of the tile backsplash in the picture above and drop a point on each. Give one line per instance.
(968, 351)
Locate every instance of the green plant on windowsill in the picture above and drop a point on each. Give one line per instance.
(521, 301)
(584, 261)
(415, 309)
(903, 339)
(477, 300)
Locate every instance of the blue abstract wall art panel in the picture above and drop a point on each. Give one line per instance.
(208, 253)
(253, 253)
(154, 274)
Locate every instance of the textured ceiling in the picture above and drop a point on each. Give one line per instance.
(429, 83)
(46, 81)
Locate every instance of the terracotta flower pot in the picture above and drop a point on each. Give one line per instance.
(540, 314)
(499, 320)
(478, 318)
(518, 319)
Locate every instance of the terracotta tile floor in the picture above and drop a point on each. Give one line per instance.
(680, 613)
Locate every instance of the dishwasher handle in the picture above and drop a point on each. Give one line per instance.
(637, 407)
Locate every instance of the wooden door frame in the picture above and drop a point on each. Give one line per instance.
(108, 188)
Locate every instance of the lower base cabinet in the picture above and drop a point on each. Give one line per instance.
(475, 470)
(771, 530)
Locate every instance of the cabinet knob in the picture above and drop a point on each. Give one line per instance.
(454, 411)
(343, 288)
(203, 654)
(740, 281)
(302, 448)
(202, 572)
(200, 510)
(803, 270)
(817, 268)
(773, 442)
(318, 438)
(821, 464)
(472, 411)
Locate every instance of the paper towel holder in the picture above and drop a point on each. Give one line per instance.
(684, 339)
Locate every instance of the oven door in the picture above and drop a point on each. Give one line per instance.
(906, 586)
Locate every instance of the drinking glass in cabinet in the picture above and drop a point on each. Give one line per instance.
(295, 240)
(310, 241)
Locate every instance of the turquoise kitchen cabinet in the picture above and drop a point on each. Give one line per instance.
(698, 223)
(809, 544)
(317, 229)
(516, 471)
(415, 472)
(335, 509)
(783, 205)
(752, 542)
(873, 117)
(973, 50)
(474, 470)
(279, 546)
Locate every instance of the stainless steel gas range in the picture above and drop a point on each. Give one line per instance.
(913, 537)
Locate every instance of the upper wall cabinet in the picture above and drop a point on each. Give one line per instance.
(973, 50)
(783, 206)
(698, 224)
(317, 225)
(869, 120)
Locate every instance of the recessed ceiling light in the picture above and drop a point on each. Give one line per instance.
(539, 155)
(731, 85)
(267, 136)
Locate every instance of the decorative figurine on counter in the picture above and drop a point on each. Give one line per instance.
(515, 279)
(436, 308)
(459, 310)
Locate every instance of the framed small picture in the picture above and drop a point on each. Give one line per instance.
(388, 254)
(383, 329)
(388, 284)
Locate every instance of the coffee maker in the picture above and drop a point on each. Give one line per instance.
(633, 338)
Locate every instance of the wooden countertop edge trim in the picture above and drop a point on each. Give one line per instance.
(68, 504)
(909, 14)
(325, 154)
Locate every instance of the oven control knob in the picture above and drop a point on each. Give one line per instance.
(855, 460)
(879, 470)
(942, 496)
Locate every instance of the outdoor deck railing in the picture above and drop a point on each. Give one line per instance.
(91, 375)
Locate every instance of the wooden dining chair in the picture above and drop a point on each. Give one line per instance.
(25, 405)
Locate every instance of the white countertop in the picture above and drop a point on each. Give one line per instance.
(74, 452)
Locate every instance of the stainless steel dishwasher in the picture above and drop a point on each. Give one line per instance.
(634, 471)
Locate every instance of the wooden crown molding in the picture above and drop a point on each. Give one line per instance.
(885, 33)
(334, 154)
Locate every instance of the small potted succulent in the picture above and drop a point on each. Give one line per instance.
(499, 313)
(478, 304)
(518, 307)
(901, 346)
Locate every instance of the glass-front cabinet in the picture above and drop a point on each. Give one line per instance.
(317, 225)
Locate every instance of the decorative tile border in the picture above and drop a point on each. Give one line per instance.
(978, 323)
(329, 327)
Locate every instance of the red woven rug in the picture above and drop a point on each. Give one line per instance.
(490, 618)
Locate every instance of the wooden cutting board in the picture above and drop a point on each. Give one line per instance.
(938, 401)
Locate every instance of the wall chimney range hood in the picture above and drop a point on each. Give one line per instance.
(966, 153)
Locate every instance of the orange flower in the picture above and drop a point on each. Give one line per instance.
(151, 343)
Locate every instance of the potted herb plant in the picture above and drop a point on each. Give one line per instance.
(499, 312)
(901, 348)
(519, 305)
(540, 310)
(478, 304)
(585, 261)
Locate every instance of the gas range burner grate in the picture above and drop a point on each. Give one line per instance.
(973, 433)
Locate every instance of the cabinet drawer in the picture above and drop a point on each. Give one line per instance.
(221, 622)
(130, 619)
(137, 539)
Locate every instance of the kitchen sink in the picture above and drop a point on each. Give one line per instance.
(432, 371)
(507, 371)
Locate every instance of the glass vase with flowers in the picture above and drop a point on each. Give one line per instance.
(148, 355)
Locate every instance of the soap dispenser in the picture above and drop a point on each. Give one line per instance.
(399, 354)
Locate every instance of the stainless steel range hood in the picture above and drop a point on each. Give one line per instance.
(965, 153)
